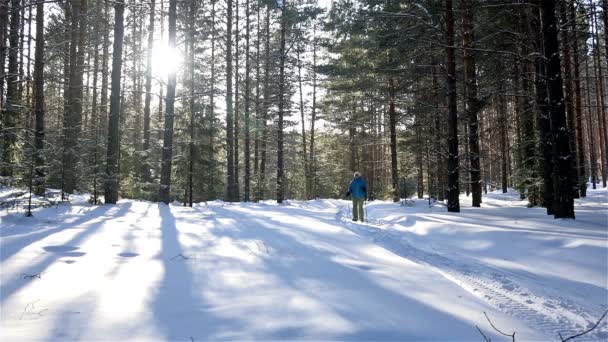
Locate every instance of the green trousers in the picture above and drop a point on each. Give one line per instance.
(358, 213)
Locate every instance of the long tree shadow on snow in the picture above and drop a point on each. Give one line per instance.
(17, 244)
(176, 307)
(305, 271)
(11, 286)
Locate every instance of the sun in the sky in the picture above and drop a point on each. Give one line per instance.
(165, 60)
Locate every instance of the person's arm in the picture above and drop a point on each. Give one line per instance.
(350, 187)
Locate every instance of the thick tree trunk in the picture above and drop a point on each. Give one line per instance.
(94, 104)
(112, 171)
(167, 155)
(280, 147)
(562, 158)
(266, 105)
(10, 113)
(472, 106)
(453, 186)
(565, 37)
(601, 113)
(39, 101)
(231, 191)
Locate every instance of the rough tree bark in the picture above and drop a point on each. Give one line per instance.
(563, 201)
(230, 176)
(472, 105)
(38, 92)
(453, 186)
(280, 146)
(112, 172)
(167, 155)
(10, 112)
(148, 98)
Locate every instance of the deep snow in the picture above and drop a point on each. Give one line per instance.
(302, 270)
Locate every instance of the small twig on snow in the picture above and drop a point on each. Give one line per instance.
(585, 332)
(482, 334)
(180, 255)
(492, 324)
(31, 276)
(31, 306)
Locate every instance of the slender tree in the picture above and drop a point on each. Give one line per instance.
(38, 92)
(148, 97)
(112, 172)
(281, 113)
(473, 105)
(453, 186)
(164, 192)
(231, 192)
(247, 104)
(10, 113)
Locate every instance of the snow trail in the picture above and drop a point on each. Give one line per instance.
(509, 292)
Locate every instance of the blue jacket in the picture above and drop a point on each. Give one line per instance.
(357, 188)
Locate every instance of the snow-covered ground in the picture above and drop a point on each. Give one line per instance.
(302, 270)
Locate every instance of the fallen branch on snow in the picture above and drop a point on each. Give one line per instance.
(583, 333)
(487, 339)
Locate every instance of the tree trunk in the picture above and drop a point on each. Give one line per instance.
(39, 101)
(589, 121)
(211, 112)
(231, 194)
(601, 113)
(472, 105)
(94, 104)
(112, 171)
(393, 132)
(502, 125)
(192, 49)
(562, 158)
(247, 105)
(167, 155)
(313, 117)
(237, 128)
(453, 186)
(10, 114)
(419, 165)
(569, 100)
(303, 122)
(282, 57)
(148, 98)
(3, 47)
(266, 104)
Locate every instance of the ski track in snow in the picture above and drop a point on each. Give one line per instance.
(549, 313)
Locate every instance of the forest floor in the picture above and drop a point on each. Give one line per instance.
(302, 270)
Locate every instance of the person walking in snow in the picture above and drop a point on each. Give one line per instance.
(358, 192)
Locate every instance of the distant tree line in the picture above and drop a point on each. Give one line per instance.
(284, 99)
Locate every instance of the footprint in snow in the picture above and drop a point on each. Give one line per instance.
(529, 301)
(128, 255)
(549, 305)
